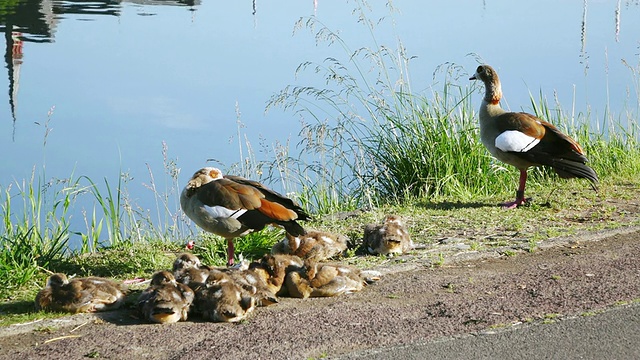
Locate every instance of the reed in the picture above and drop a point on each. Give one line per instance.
(368, 139)
(38, 233)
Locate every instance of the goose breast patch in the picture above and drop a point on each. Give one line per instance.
(515, 141)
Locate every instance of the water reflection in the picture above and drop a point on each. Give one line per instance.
(31, 21)
(35, 22)
(85, 7)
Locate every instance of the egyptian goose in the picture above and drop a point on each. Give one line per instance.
(77, 295)
(188, 270)
(232, 206)
(324, 280)
(263, 279)
(254, 283)
(389, 238)
(165, 301)
(223, 300)
(523, 140)
(272, 269)
(314, 245)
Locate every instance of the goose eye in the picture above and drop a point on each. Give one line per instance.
(479, 69)
(214, 173)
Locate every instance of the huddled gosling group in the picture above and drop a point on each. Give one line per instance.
(295, 268)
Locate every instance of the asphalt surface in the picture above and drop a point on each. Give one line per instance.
(612, 334)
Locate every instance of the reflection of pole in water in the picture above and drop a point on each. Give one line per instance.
(13, 59)
(34, 21)
(618, 22)
(16, 52)
(583, 38)
(255, 18)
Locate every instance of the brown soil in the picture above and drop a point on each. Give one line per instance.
(413, 302)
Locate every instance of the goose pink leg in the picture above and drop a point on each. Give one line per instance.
(230, 252)
(520, 200)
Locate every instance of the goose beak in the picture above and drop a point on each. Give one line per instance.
(473, 77)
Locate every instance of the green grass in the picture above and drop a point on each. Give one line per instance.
(125, 260)
(39, 234)
(212, 249)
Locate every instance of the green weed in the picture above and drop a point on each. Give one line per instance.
(38, 234)
(212, 249)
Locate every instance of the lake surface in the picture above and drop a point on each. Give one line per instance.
(96, 88)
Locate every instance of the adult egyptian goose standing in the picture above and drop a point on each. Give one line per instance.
(523, 140)
(232, 206)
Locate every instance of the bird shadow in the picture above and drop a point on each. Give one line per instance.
(124, 316)
(451, 205)
(17, 307)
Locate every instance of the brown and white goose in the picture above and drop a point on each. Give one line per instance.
(392, 237)
(78, 295)
(324, 280)
(523, 140)
(223, 300)
(165, 301)
(188, 270)
(314, 245)
(232, 206)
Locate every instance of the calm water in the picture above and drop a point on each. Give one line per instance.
(105, 83)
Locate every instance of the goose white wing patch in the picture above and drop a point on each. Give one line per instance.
(220, 212)
(515, 141)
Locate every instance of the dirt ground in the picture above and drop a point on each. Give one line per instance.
(413, 302)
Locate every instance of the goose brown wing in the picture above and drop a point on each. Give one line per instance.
(552, 142)
(230, 194)
(523, 122)
(555, 149)
(273, 204)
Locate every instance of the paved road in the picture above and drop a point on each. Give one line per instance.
(613, 334)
